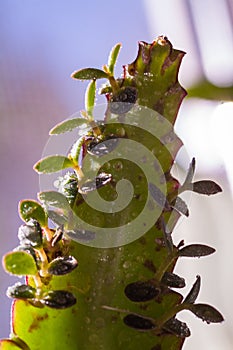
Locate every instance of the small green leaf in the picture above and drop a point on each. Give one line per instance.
(196, 250)
(52, 164)
(207, 187)
(90, 97)
(206, 312)
(105, 89)
(19, 263)
(76, 149)
(68, 125)
(89, 74)
(30, 209)
(193, 294)
(54, 199)
(113, 57)
(28, 249)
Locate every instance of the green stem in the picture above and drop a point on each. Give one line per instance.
(170, 314)
(44, 262)
(113, 83)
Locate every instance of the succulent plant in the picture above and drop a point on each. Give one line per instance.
(102, 276)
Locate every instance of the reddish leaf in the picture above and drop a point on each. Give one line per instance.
(207, 187)
(207, 313)
(193, 294)
(196, 250)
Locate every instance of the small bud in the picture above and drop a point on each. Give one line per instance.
(21, 291)
(100, 181)
(177, 327)
(139, 322)
(68, 185)
(62, 265)
(30, 234)
(59, 299)
(101, 148)
(141, 291)
(172, 280)
(123, 101)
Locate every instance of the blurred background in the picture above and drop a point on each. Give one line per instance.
(42, 42)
